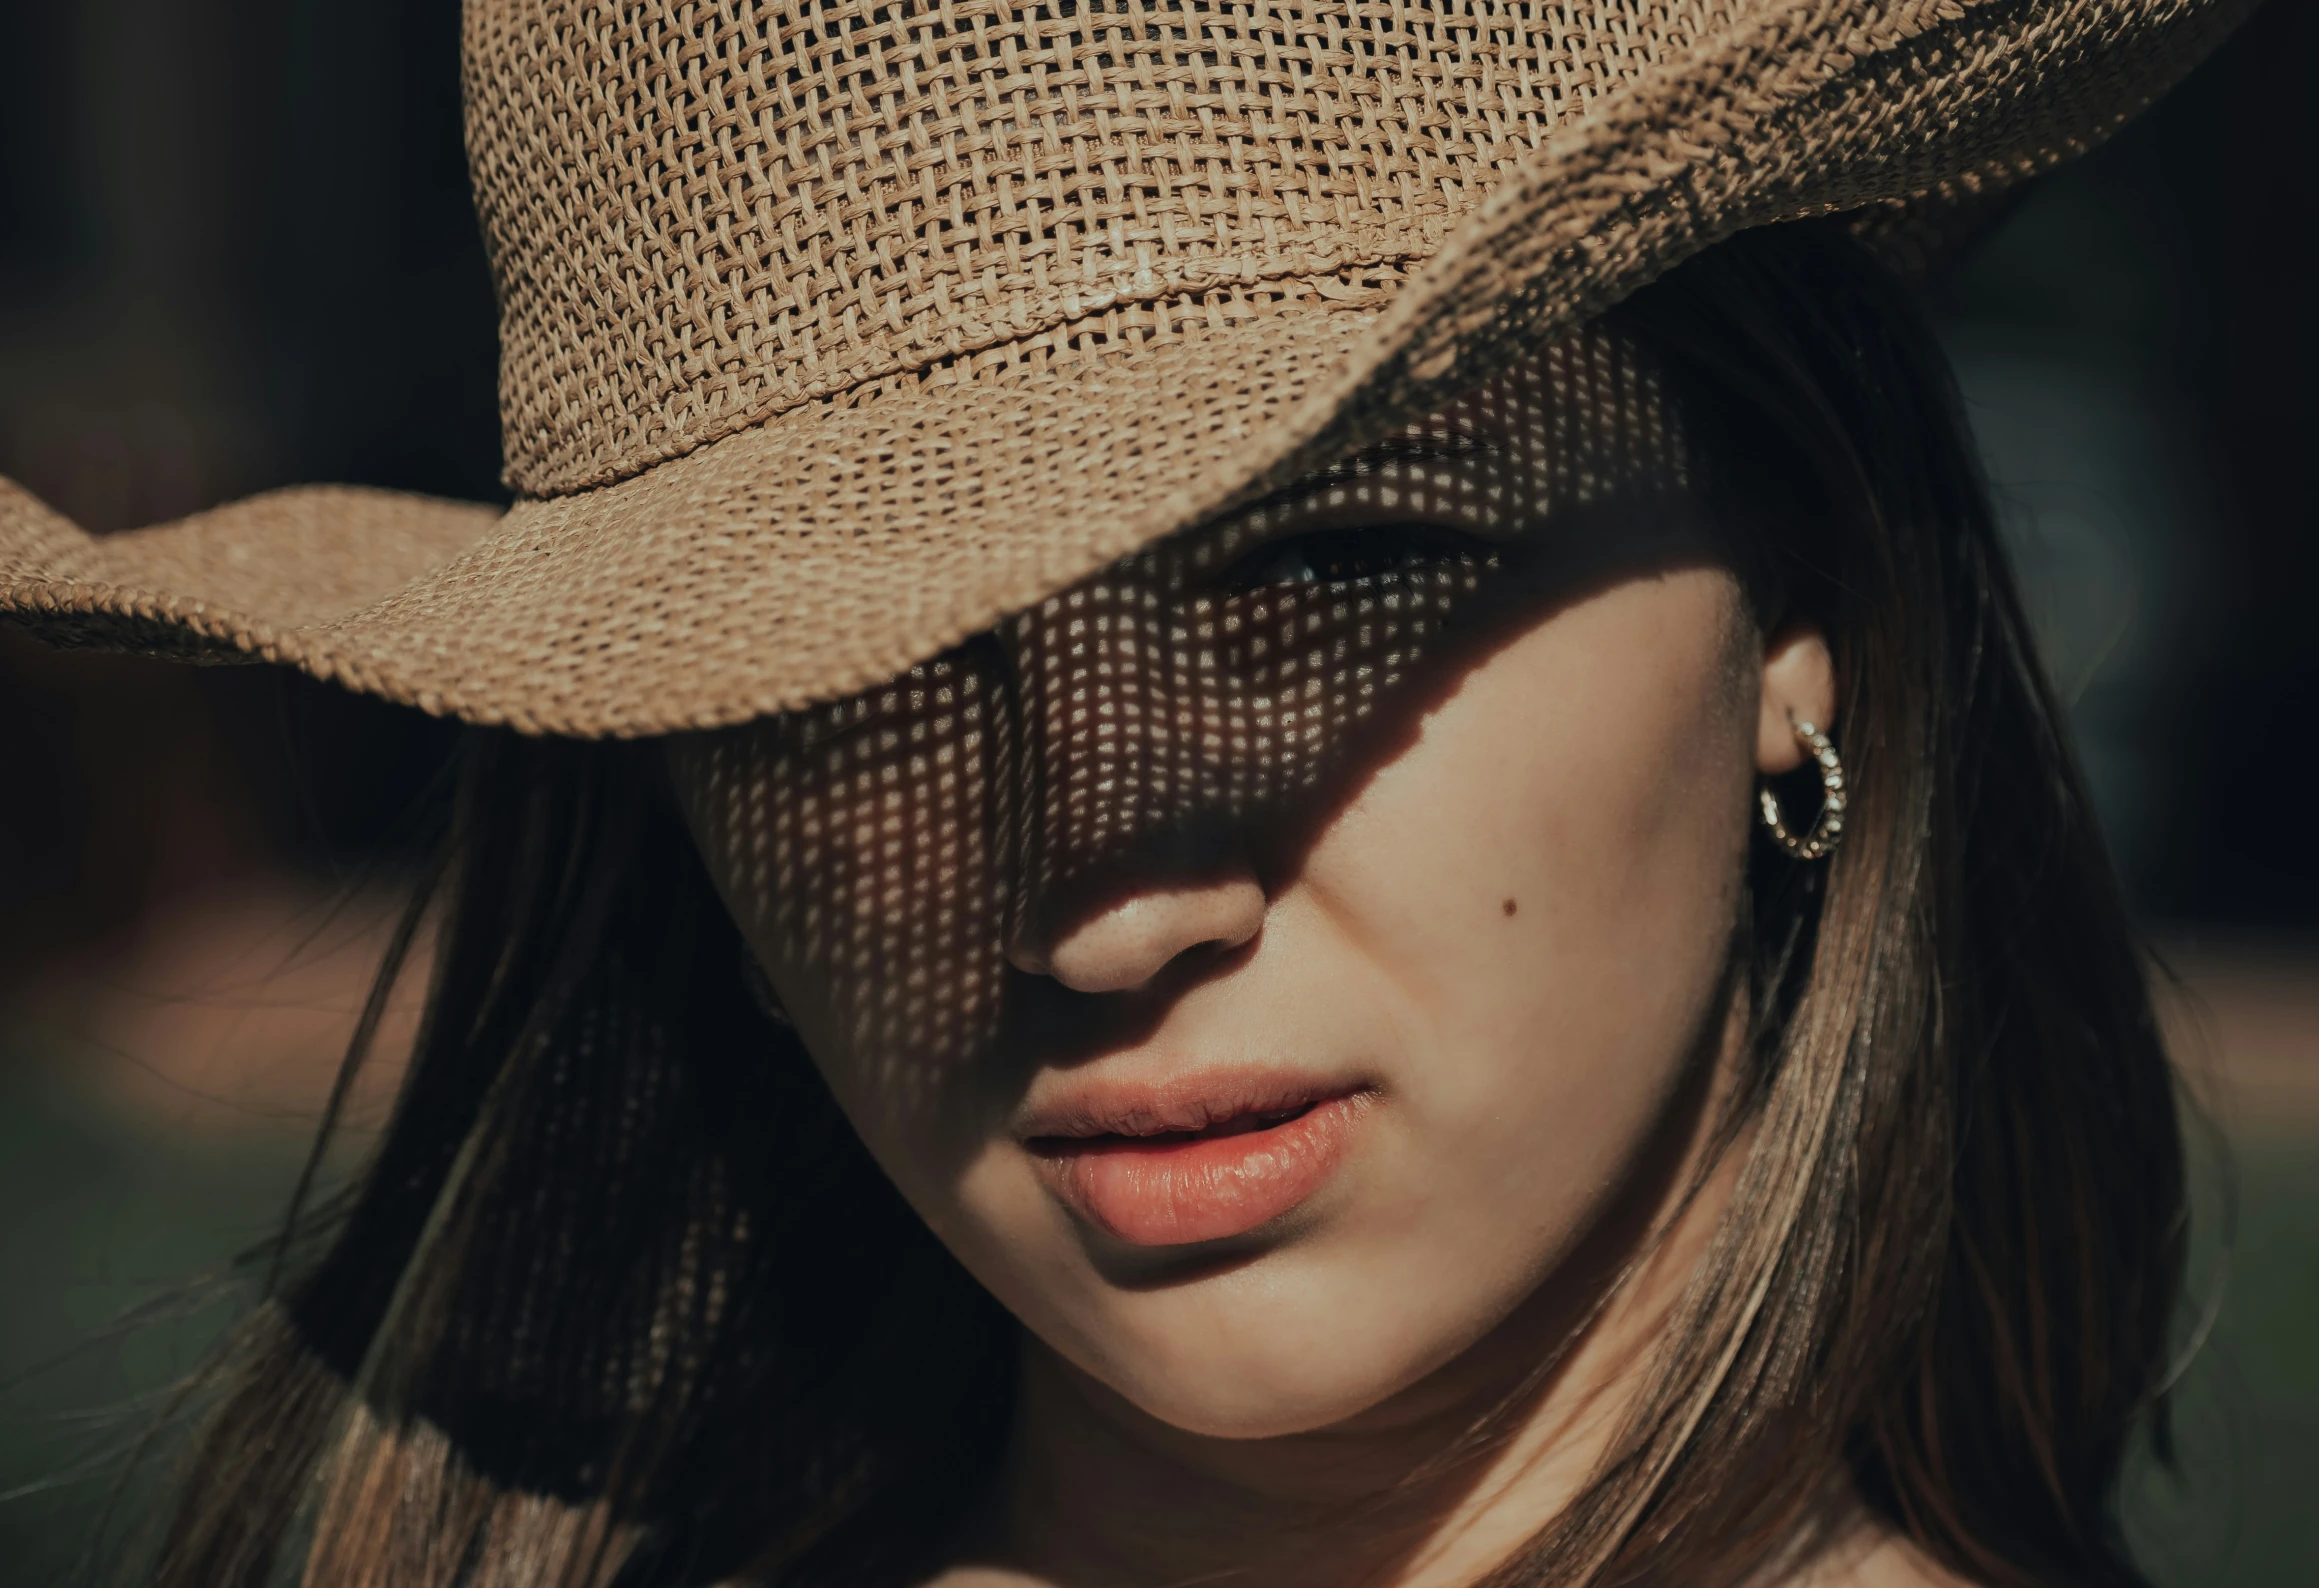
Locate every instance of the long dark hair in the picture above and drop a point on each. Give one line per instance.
(622, 1301)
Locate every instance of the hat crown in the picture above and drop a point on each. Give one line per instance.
(700, 214)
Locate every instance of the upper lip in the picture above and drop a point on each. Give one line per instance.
(1088, 1106)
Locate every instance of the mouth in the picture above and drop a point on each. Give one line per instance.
(1198, 1164)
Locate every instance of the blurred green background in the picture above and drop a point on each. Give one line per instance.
(236, 251)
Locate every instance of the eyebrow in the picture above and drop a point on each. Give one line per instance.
(1445, 444)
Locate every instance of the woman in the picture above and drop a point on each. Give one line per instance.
(1133, 900)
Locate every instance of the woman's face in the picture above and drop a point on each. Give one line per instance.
(1262, 964)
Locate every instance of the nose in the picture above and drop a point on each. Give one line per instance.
(1129, 941)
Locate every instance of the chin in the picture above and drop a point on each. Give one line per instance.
(1239, 1399)
(1260, 1372)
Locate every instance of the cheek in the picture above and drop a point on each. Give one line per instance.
(1547, 884)
(860, 871)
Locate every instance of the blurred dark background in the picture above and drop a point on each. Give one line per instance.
(236, 252)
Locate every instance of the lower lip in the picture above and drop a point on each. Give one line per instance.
(1179, 1192)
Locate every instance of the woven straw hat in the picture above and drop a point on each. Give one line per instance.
(834, 330)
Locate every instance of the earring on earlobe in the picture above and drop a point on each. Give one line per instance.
(1828, 831)
(761, 989)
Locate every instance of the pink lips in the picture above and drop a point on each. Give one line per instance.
(1196, 1161)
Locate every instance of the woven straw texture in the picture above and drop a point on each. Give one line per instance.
(834, 332)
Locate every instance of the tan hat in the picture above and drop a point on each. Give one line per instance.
(834, 330)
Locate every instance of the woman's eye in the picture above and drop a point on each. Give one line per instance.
(1333, 556)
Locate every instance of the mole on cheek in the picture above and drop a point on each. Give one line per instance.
(1508, 907)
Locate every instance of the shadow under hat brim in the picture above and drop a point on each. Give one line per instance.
(827, 547)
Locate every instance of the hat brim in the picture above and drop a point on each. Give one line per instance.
(816, 554)
(836, 543)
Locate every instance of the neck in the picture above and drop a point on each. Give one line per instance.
(1429, 1489)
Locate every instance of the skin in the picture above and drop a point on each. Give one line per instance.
(1511, 921)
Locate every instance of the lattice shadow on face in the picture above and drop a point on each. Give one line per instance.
(1205, 699)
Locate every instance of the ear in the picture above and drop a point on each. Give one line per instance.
(1799, 685)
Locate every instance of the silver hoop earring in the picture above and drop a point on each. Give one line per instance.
(1828, 831)
(761, 989)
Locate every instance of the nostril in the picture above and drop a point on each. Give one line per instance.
(1126, 943)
